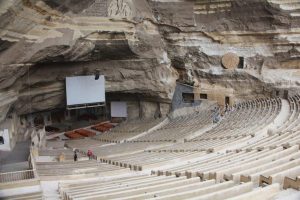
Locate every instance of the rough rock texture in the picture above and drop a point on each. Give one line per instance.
(143, 47)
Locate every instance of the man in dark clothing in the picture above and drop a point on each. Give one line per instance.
(75, 156)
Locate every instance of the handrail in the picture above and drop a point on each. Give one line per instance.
(3, 173)
(32, 161)
(16, 176)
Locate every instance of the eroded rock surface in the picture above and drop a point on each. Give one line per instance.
(143, 47)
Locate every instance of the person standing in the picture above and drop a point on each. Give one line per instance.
(75, 156)
(90, 154)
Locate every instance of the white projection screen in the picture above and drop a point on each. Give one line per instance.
(118, 109)
(85, 90)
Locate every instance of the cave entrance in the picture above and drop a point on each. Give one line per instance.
(1, 140)
(227, 100)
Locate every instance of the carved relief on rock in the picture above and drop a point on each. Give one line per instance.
(230, 60)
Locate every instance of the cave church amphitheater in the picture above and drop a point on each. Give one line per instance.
(251, 153)
(150, 99)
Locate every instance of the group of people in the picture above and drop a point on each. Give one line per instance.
(89, 154)
(229, 108)
(235, 107)
(216, 115)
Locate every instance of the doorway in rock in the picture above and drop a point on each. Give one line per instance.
(285, 94)
(227, 100)
(1, 140)
(241, 63)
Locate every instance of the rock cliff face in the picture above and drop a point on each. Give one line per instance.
(143, 47)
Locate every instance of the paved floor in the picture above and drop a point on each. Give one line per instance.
(18, 155)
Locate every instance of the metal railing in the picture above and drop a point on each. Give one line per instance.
(32, 162)
(16, 176)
